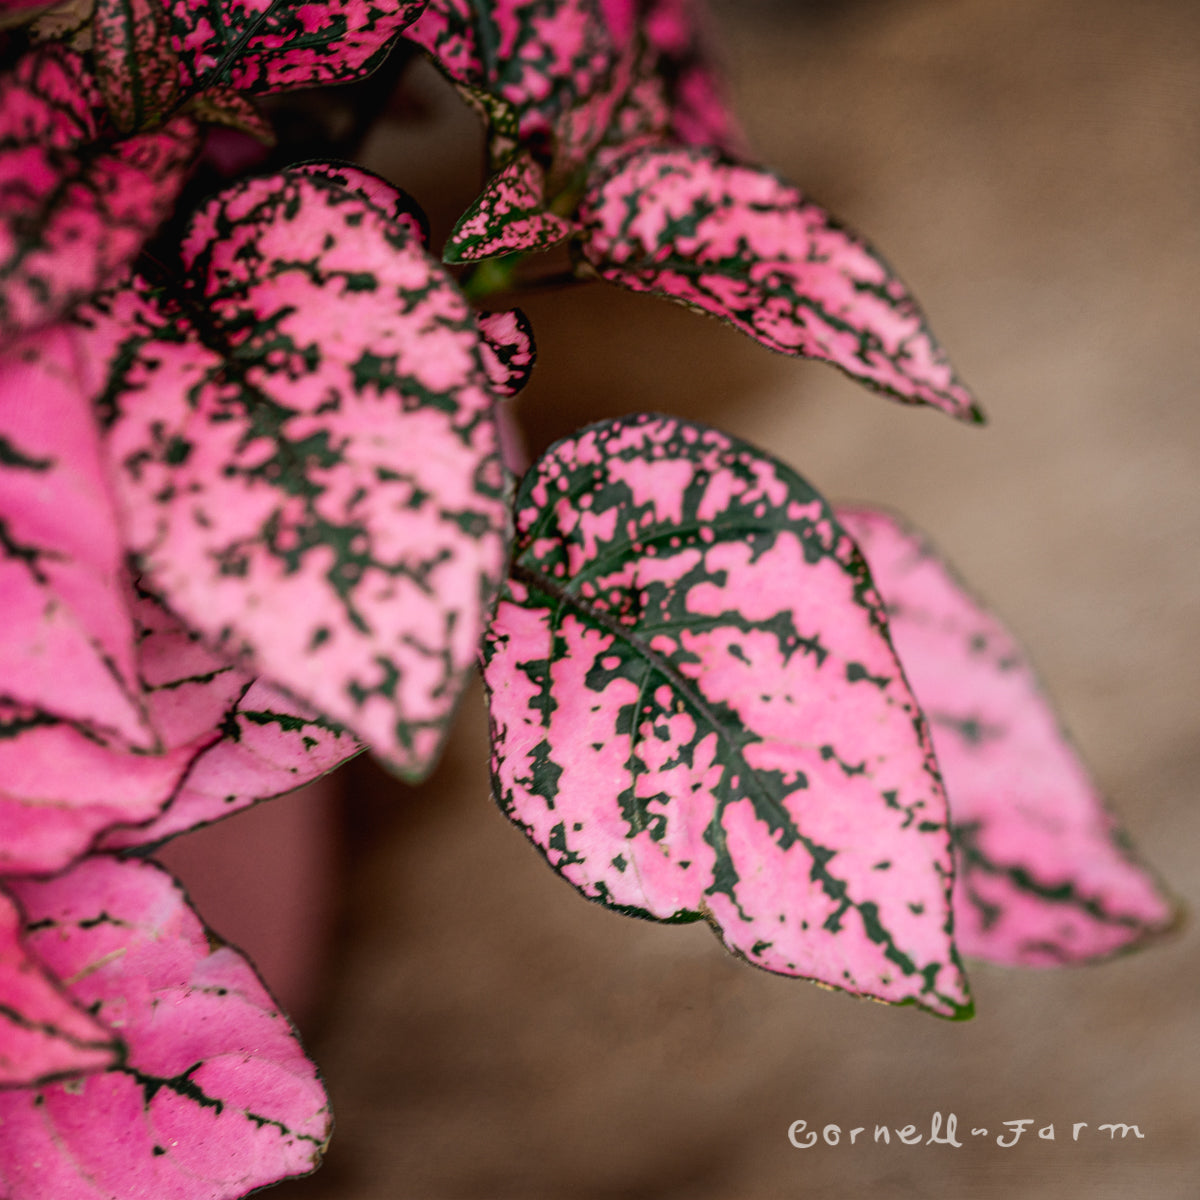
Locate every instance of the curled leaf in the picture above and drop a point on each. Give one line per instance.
(43, 1033)
(214, 1097)
(741, 244)
(696, 712)
(75, 206)
(507, 349)
(508, 216)
(1044, 873)
(303, 445)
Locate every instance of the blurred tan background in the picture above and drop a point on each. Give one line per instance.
(1030, 167)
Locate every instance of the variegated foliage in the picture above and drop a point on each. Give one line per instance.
(154, 55)
(76, 203)
(608, 126)
(211, 1095)
(741, 244)
(696, 712)
(267, 46)
(304, 454)
(1044, 873)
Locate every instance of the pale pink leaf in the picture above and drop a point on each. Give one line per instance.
(43, 1033)
(75, 207)
(266, 46)
(508, 217)
(214, 1096)
(271, 745)
(739, 243)
(67, 638)
(508, 350)
(696, 712)
(315, 483)
(1044, 873)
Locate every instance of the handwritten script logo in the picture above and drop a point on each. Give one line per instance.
(804, 1138)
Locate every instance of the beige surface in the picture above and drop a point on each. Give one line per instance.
(1031, 167)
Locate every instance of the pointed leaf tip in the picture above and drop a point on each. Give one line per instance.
(315, 483)
(696, 712)
(743, 245)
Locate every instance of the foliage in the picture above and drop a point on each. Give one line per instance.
(255, 517)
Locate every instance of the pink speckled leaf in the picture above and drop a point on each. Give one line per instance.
(553, 62)
(507, 349)
(741, 244)
(696, 712)
(507, 217)
(395, 202)
(214, 1097)
(59, 788)
(675, 96)
(269, 46)
(271, 745)
(309, 474)
(676, 31)
(75, 207)
(1044, 873)
(136, 68)
(43, 1033)
(67, 638)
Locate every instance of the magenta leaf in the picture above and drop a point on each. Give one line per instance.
(675, 96)
(507, 349)
(696, 712)
(507, 217)
(393, 201)
(743, 245)
(553, 63)
(75, 206)
(136, 68)
(271, 45)
(677, 36)
(304, 449)
(60, 787)
(271, 745)
(67, 638)
(214, 1097)
(43, 1033)
(1044, 874)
